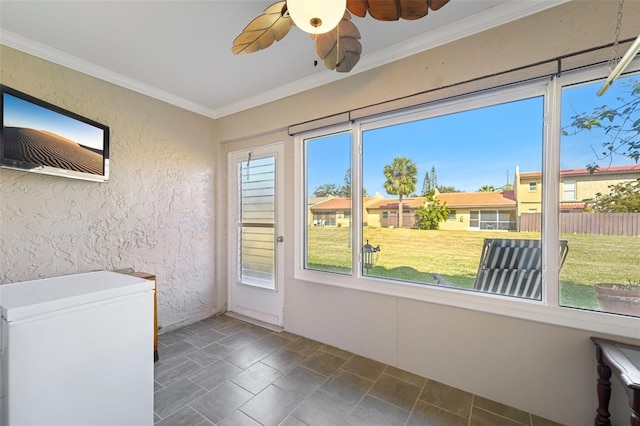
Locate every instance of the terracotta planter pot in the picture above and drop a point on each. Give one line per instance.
(619, 298)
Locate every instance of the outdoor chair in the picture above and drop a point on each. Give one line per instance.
(511, 267)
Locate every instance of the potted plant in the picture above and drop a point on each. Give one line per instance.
(619, 298)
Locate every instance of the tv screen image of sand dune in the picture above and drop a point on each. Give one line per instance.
(48, 149)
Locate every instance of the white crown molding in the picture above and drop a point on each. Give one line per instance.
(490, 18)
(507, 12)
(39, 50)
(297, 86)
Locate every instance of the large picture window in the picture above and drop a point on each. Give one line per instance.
(468, 161)
(328, 195)
(599, 168)
(463, 194)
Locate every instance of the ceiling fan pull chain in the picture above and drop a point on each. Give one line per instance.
(616, 56)
(248, 165)
(338, 45)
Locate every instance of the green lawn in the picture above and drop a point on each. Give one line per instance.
(414, 255)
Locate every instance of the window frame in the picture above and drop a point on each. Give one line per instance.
(547, 310)
(474, 217)
(573, 185)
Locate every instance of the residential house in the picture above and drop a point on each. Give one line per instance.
(494, 210)
(578, 187)
(384, 212)
(467, 210)
(312, 201)
(335, 211)
(166, 208)
(491, 210)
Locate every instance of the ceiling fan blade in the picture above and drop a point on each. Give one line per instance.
(263, 31)
(326, 42)
(350, 56)
(358, 7)
(437, 4)
(413, 9)
(341, 56)
(392, 10)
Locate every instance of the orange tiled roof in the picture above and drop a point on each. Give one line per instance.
(635, 168)
(371, 200)
(573, 206)
(453, 200)
(337, 203)
(316, 200)
(478, 199)
(387, 203)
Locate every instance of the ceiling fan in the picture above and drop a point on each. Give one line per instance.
(329, 23)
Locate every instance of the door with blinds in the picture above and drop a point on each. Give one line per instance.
(255, 238)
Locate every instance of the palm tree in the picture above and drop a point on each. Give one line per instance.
(401, 180)
(487, 188)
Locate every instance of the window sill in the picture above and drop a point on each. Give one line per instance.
(531, 310)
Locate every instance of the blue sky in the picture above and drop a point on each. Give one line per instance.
(20, 113)
(578, 150)
(468, 149)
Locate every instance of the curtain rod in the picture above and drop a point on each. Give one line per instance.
(557, 59)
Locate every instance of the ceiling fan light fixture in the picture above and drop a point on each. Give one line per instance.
(316, 16)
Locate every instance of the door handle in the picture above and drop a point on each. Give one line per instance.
(280, 239)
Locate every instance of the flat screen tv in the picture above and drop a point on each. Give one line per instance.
(42, 138)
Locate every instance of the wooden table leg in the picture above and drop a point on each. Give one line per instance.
(604, 391)
(634, 403)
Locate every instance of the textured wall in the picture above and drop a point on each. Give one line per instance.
(155, 214)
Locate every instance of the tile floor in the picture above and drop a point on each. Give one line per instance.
(223, 371)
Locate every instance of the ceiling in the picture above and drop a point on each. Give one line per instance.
(180, 51)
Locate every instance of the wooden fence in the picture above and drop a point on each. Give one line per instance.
(408, 220)
(587, 223)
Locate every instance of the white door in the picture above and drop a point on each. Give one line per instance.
(256, 270)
